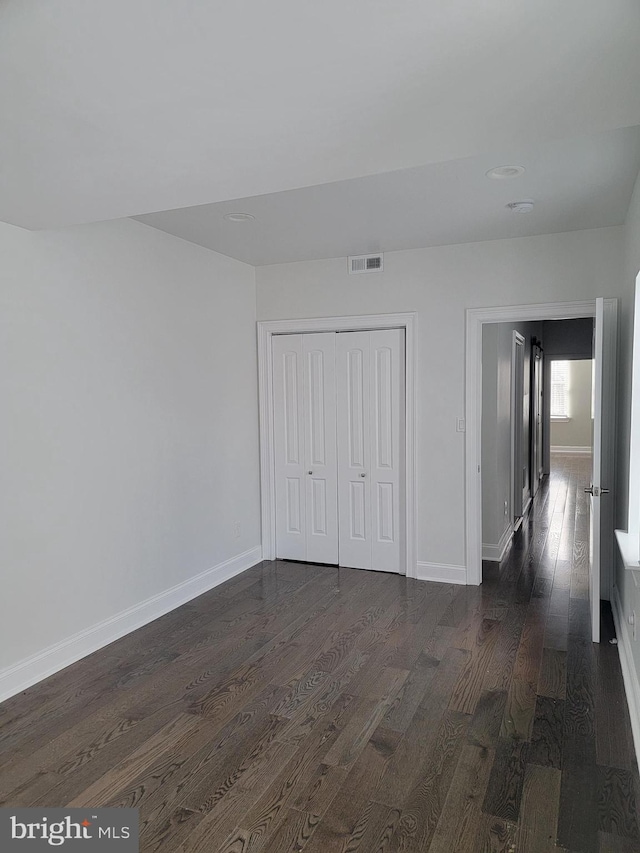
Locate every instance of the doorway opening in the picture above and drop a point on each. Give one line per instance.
(571, 409)
(508, 402)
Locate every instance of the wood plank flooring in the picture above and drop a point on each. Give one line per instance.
(309, 708)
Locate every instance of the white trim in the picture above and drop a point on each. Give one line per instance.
(20, 676)
(441, 573)
(629, 672)
(560, 448)
(473, 406)
(267, 328)
(495, 553)
(559, 419)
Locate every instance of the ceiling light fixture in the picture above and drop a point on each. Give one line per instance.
(504, 173)
(239, 217)
(525, 206)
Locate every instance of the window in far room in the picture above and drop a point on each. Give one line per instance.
(560, 390)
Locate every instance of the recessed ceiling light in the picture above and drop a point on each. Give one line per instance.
(521, 206)
(503, 173)
(239, 217)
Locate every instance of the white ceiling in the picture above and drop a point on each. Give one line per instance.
(131, 106)
(577, 183)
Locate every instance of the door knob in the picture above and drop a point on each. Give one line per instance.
(589, 491)
(363, 475)
(595, 491)
(604, 491)
(310, 472)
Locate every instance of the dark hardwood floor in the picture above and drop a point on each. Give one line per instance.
(309, 708)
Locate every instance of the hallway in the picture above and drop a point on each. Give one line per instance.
(309, 708)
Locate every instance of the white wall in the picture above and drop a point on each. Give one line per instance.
(578, 430)
(627, 590)
(440, 283)
(497, 342)
(496, 373)
(128, 437)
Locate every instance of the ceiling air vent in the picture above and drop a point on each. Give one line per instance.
(365, 263)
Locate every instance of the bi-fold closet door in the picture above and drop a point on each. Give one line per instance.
(339, 447)
(370, 412)
(304, 391)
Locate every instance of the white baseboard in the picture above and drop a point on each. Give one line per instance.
(559, 448)
(495, 553)
(29, 671)
(442, 573)
(629, 672)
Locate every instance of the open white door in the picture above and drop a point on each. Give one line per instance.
(602, 484)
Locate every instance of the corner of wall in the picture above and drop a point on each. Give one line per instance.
(35, 668)
(496, 552)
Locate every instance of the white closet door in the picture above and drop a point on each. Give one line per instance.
(387, 449)
(288, 424)
(353, 357)
(370, 385)
(305, 447)
(321, 474)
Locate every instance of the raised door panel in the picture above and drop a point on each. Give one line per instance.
(293, 520)
(387, 448)
(321, 472)
(289, 447)
(357, 529)
(353, 378)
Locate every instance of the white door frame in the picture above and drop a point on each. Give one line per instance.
(476, 317)
(361, 322)
(517, 426)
